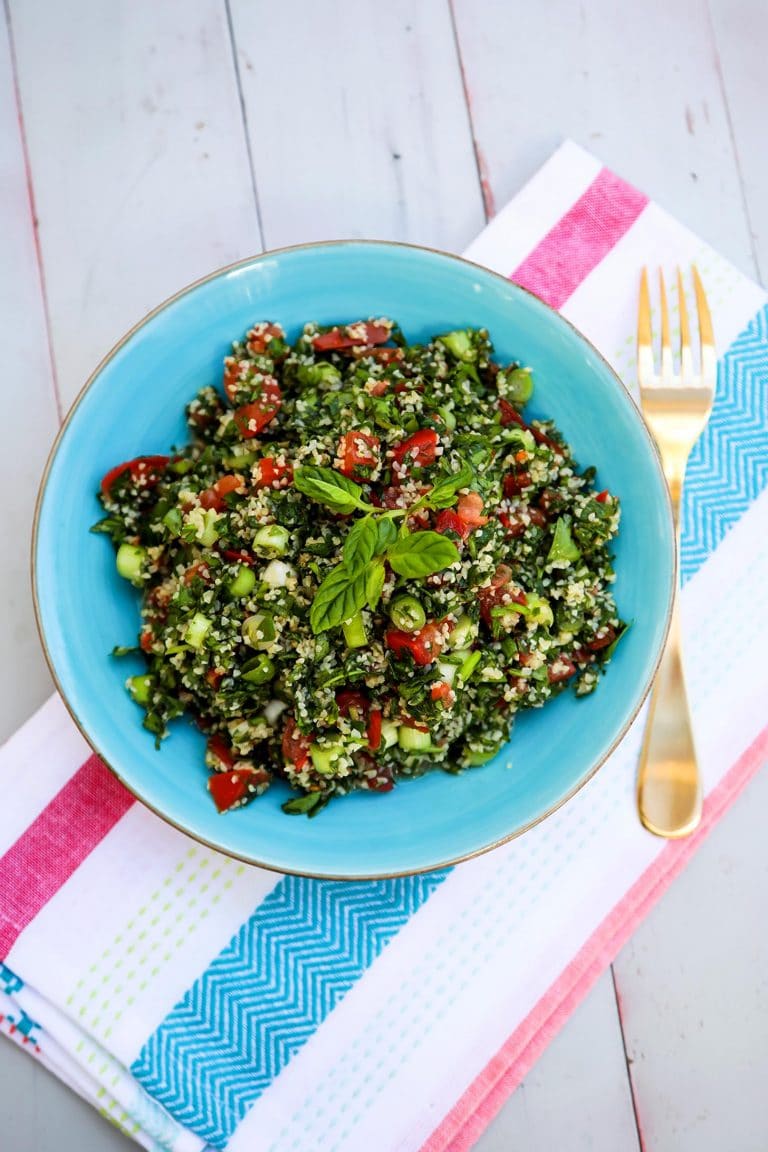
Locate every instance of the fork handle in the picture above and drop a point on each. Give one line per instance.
(669, 793)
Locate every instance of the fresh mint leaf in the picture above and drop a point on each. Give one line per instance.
(387, 534)
(422, 554)
(330, 488)
(444, 493)
(374, 584)
(360, 544)
(339, 597)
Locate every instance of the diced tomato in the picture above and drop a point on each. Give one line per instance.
(147, 469)
(272, 474)
(379, 387)
(358, 450)
(391, 496)
(295, 744)
(499, 593)
(252, 418)
(383, 781)
(238, 557)
(260, 335)
(602, 496)
(349, 700)
(424, 645)
(214, 497)
(515, 523)
(350, 336)
(608, 637)
(227, 788)
(218, 747)
(515, 482)
(443, 692)
(562, 670)
(374, 729)
(509, 415)
(200, 569)
(470, 510)
(146, 640)
(449, 521)
(214, 677)
(418, 450)
(382, 355)
(409, 722)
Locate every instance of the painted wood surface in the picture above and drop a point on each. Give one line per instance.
(162, 141)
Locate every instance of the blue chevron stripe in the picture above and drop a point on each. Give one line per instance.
(728, 468)
(267, 992)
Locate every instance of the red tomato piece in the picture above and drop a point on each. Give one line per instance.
(295, 744)
(260, 336)
(510, 415)
(349, 700)
(470, 510)
(238, 557)
(272, 474)
(562, 669)
(252, 418)
(227, 788)
(418, 450)
(145, 468)
(382, 355)
(374, 729)
(222, 750)
(232, 381)
(358, 450)
(499, 594)
(351, 336)
(424, 645)
(450, 521)
(443, 692)
(608, 637)
(146, 640)
(201, 569)
(515, 482)
(213, 497)
(214, 677)
(602, 496)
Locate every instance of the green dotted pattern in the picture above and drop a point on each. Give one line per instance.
(150, 940)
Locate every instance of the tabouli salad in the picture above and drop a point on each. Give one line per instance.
(363, 565)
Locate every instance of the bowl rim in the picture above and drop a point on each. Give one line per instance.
(246, 262)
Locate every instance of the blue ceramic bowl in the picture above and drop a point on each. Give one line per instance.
(133, 404)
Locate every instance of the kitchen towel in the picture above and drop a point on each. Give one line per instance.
(199, 1002)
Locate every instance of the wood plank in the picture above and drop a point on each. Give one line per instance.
(138, 158)
(29, 418)
(637, 84)
(357, 122)
(693, 994)
(741, 33)
(577, 1097)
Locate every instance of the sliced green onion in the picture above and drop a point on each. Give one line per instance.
(407, 614)
(271, 540)
(131, 560)
(197, 629)
(448, 418)
(259, 670)
(180, 467)
(243, 583)
(413, 739)
(563, 549)
(354, 631)
(243, 460)
(463, 633)
(469, 665)
(259, 630)
(172, 521)
(140, 688)
(519, 387)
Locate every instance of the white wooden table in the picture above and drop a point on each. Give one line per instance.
(144, 143)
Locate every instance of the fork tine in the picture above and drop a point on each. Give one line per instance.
(645, 368)
(706, 332)
(666, 347)
(686, 358)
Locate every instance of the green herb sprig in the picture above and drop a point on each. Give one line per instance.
(373, 540)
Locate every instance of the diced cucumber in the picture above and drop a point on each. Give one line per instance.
(243, 583)
(198, 627)
(259, 630)
(464, 633)
(271, 540)
(140, 688)
(131, 561)
(413, 739)
(354, 631)
(389, 731)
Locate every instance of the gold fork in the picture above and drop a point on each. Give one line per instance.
(676, 409)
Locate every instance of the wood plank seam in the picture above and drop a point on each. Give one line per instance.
(33, 213)
(244, 118)
(489, 208)
(627, 1062)
(734, 145)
